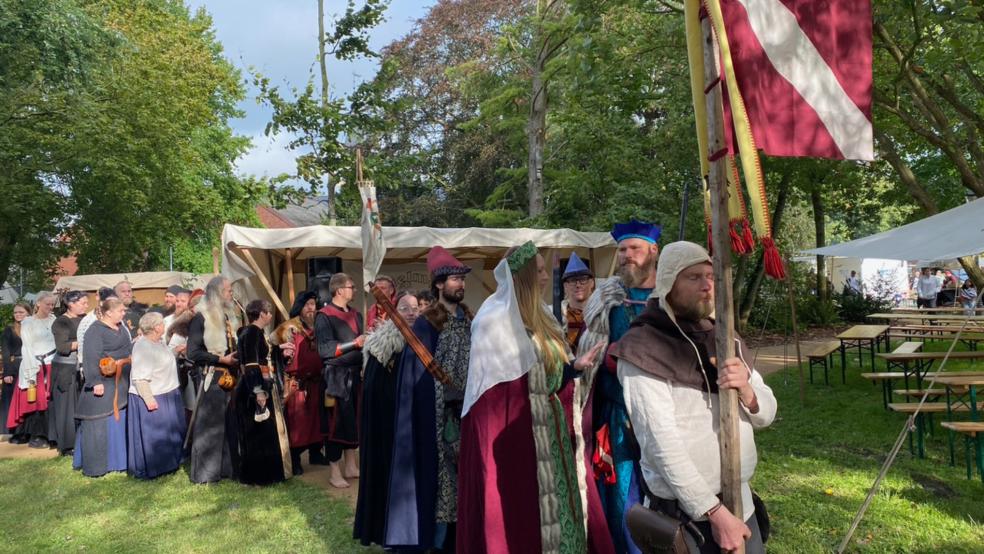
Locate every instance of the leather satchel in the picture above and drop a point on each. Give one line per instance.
(655, 532)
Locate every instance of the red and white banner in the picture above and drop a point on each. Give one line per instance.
(804, 71)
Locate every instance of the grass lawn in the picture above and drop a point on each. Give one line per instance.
(815, 466)
(817, 463)
(47, 507)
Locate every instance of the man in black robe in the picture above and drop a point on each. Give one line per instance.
(212, 348)
(134, 310)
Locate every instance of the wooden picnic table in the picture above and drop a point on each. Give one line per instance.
(978, 319)
(944, 310)
(863, 337)
(918, 363)
(961, 392)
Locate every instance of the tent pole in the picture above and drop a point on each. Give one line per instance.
(289, 255)
(215, 260)
(248, 256)
(796, 339)
(724, 305)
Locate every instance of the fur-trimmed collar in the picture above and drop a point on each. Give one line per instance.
(610, 293)
(438, 315)
(385, 341)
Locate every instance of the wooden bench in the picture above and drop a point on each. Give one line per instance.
(927, 409)
(918, 363)
(968, 337)
(886, 378)
(919, 393)
(823, 356)
(972, 432)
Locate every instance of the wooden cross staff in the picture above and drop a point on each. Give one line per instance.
(724, 324)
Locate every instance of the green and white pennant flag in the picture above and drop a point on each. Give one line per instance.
(373, 245)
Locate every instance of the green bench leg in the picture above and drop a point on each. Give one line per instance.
(967, 457)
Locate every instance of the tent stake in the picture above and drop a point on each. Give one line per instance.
(796, 338)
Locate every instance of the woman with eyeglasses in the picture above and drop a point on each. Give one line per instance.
(29, 406)
(64, 372)
(10, 347)
(383, 349)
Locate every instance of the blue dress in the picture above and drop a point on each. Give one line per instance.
(609, 407)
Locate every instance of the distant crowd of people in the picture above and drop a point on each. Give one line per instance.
(943, 289)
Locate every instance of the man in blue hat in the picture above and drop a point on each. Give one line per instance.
(607, 316)
(579, 283)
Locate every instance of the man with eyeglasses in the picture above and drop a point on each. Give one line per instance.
(338, 329)
(579, 283)
(423, 489)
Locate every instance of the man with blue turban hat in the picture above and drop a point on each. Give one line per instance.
(607, 316)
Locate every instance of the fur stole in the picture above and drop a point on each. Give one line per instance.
(179, 326)
(597, 326)
(438, 315)
(281, 333)
(384, 342)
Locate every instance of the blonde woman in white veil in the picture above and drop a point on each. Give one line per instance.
(523, 481)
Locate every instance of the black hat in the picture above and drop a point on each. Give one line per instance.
(175, 289)
(300, 300)
(106, 292)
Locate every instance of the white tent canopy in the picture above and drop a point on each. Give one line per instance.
(951, 234)
(139, 280)
(279, 252)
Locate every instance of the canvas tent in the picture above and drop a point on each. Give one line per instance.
(148, 286)
(952, 234)
(251, 256)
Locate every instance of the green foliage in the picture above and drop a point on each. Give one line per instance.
(98, 164)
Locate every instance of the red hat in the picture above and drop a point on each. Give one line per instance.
(441, 263)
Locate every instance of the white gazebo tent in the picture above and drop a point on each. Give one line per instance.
(271, 263)
(148, 286)
(952, 234)
(945, 236)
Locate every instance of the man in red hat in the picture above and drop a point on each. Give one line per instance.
(423, 484)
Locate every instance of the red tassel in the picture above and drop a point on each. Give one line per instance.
(710, 241)
(773, 262)
(737, 244)
(747, 235)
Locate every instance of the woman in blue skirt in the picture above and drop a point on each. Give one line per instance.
(156, 420)
(100, 444)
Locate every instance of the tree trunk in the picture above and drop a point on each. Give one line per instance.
(750, 295)
(537, 128)
(332, 216)
(823, 294)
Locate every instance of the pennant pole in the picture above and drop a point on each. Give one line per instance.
(723, 302)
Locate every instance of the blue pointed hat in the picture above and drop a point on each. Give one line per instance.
(575, 268)
(634, 229)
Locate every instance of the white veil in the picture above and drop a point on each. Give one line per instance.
(501, 350)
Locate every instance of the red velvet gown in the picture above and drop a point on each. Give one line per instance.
(498, 494)
(304, 404)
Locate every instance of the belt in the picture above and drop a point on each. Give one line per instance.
(71, 359)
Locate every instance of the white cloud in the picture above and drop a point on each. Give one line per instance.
(268, 157)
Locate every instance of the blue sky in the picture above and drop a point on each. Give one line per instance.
(280, 39)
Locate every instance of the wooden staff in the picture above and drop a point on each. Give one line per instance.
(426, 358)
(724, 325)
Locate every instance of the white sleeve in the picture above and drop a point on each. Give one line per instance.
(142, 361)
(767, 404)
(649, 403)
